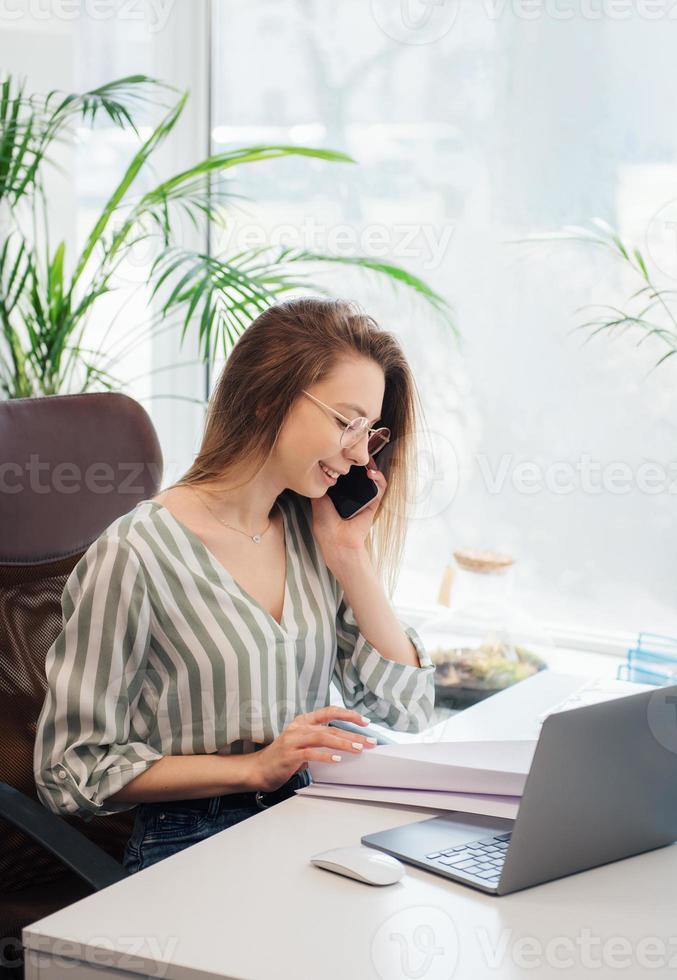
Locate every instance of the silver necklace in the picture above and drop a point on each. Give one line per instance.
(256, 538)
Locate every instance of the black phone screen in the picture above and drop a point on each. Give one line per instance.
(352, 491)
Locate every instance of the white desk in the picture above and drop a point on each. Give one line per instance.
(247, 904)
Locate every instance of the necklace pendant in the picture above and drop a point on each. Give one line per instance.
(256, 538)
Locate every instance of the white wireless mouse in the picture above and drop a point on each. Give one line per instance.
(362, 863)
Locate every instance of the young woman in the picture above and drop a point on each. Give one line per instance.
(203, 628)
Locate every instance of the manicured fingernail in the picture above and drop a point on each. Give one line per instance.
(364, 719)
(336, 758)
(370, 738)
(357, 745)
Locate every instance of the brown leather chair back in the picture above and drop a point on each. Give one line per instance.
(69, 466)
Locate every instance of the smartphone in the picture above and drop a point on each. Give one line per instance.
(352, 492)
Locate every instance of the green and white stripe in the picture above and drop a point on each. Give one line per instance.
(163, 653)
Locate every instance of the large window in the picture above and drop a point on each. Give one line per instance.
(472, 133)
(475, 125)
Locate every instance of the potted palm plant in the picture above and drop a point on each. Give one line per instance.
(46, 301)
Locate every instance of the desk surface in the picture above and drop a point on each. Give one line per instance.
(247, 904)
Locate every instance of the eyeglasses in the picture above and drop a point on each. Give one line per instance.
(355, 429)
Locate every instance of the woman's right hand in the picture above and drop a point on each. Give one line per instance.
(298, 745)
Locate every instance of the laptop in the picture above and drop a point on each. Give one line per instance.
(602, 786)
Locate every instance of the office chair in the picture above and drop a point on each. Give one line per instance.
(69, 466)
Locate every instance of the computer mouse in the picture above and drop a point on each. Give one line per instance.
(362, 863)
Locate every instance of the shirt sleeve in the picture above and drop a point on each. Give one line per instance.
(389, 693)
(95, 671)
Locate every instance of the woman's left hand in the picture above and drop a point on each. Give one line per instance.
(340, 539)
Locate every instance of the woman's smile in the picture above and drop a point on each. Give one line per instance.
(327, 474)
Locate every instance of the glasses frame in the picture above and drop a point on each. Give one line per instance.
(348, 422)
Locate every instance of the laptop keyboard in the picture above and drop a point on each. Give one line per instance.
(482, 859)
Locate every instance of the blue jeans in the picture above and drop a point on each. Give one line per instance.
(159, 831)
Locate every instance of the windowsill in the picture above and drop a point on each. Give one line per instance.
(565, 643)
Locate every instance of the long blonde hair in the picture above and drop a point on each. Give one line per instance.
(294, 345)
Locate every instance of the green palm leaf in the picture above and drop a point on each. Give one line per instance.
(661, 300)
(30, 124)
(226, 293)
(46, 302)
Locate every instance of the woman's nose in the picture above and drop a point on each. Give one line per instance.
(359, 453)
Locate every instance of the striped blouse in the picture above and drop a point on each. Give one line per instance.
(163, 653)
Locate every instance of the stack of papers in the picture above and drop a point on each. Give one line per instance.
(494, 806)
(499, 768)
(476, 761)
(474, 776)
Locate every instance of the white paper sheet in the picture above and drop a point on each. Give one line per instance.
(481, 755)
(493, 806)
(494, 767)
